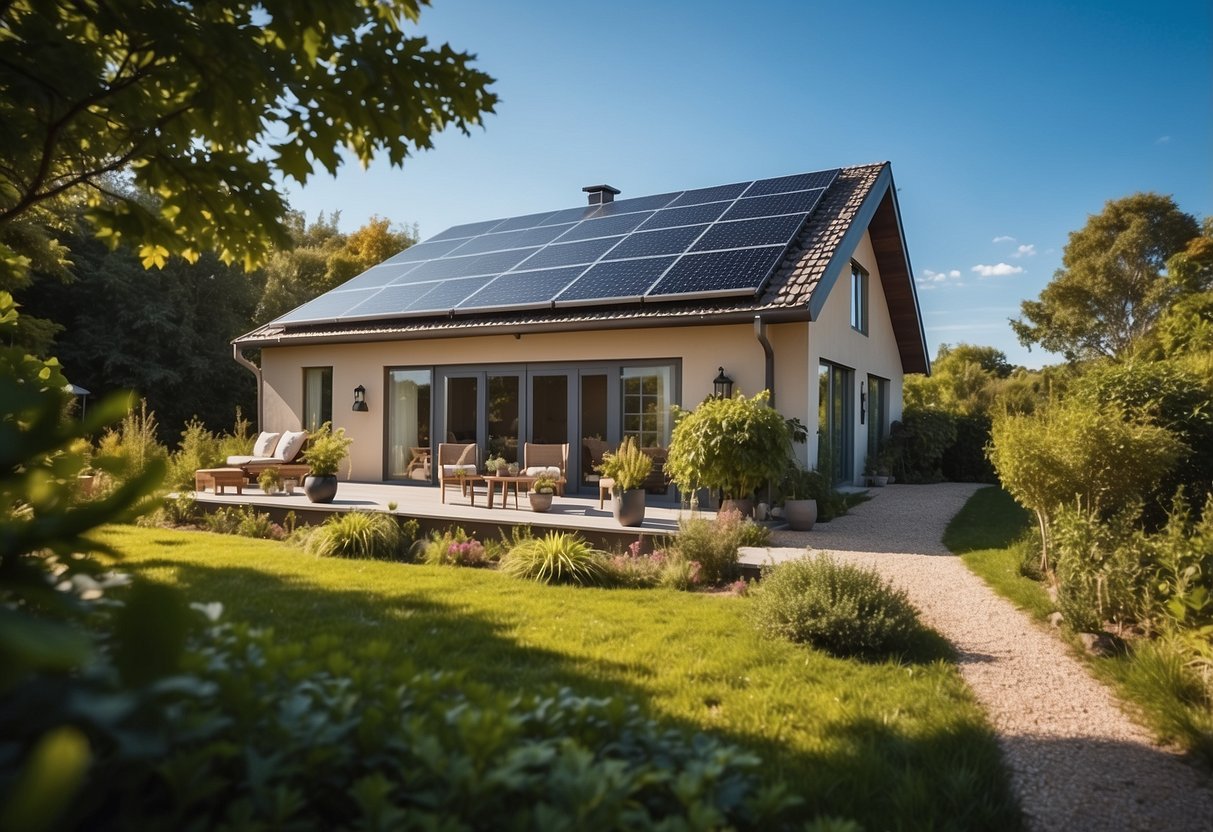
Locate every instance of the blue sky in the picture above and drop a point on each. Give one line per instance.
(1007, 125)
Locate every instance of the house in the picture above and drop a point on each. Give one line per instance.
(583, 325)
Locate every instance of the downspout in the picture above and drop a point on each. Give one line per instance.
(760, 332)
(238, 355)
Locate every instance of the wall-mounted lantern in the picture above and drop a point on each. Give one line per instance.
(722, 385)
(360, 399)
(863, 403)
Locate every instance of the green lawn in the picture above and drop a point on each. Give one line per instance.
(893, 745)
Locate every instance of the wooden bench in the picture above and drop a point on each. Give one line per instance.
(219, 478)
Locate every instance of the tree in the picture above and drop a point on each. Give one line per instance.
(204, 106)
(1112, 286)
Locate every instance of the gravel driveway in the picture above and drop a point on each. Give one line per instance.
(1077, 761)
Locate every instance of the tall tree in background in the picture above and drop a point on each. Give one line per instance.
(179, 95)
(1112, 286)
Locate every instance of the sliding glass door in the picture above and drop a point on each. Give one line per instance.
(834, 429)
(408, 425)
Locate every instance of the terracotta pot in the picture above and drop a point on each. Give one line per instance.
(539, 502)
(629, 507)
(800, 514)
(320, 489)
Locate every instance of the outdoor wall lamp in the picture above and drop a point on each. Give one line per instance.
(722, 385)
(360, 399)
(863, 403)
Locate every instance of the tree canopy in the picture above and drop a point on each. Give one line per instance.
(206, 106)
(1112, 286)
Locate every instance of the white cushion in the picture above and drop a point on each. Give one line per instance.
(543, 470)
(239, 460)
(289, 445)
(453, 470)
(265, 444)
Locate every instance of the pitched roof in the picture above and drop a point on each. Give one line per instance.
(861, 198)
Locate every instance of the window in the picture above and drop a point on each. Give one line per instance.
(317, 397)
(834, 396)
(859, 299)
(878, 413)
(646, 405)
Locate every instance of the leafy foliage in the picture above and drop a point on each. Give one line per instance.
(918, 442)
(326, 450)
(635, 569)
(556, 558)
(359, 534)
(1098, 574)
(842, 609)
(454, 547)
(1112, 286)
(245, 521)
(629, 466)
(1071, 454)
(90, 90)
(712, 544)
(733, 444)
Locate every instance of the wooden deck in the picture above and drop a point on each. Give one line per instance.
(568, 513)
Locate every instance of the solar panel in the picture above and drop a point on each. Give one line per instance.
(666, 241)
(615, 280)
(523, 289)
(736, 272)
(722, 240)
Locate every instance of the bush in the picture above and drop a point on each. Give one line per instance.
(918, 442)
(556, 558)
(359, 534)
(1161, 672)
(199, 449)
(1098, 569)
(126, 452)
(965, 459)
(842, 609)
(629, 467)
(244, 521)
(712, 544)
(635, 569)
(753, 534)
(453, 548)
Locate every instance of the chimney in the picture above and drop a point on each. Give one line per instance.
(600, 194)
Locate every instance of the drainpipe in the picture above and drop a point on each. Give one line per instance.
(238, 355)
(760, 332)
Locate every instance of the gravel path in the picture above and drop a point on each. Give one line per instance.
(1077, 761)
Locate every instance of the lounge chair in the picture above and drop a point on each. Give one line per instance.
(274, 450)
(553, 460)
(458, 463)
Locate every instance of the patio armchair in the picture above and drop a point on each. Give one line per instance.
(539, 459)
(457, 463)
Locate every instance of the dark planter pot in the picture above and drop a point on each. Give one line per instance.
(320, 489)
(746, 507)
(879, 481)
(540, 502)
(629, 507)
(800, 514)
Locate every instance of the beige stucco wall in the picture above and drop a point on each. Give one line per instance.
(701, 349)
(831, 338)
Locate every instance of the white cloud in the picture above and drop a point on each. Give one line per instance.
(932, 280)
(1004, 238)
(1028, 250)
(997, 270)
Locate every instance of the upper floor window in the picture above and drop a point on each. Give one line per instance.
(859, 299)
(317, 397)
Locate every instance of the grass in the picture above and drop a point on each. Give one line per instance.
(1149, 677)
(890, 744)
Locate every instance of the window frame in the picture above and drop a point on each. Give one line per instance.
(859, 298)
(326, 408)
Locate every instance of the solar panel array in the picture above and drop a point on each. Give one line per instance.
(710, 242)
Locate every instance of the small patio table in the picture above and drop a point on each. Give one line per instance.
(510, 483)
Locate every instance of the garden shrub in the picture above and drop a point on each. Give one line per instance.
(199, 448)
(965, 460)
(682, 574)
(753, 534)
(127, 451)
(842, 609)
(918, 442)
(453, 547)
(555, 558)
(712, 544)
(359, 534)
(1098, 569)
(636, 569)
(244, 521)
(1161, 671)
(1179, 564)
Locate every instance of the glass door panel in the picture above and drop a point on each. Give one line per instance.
(501, 419)
(595, 414)
(834, 421)
(550, 408)
(461, 409)
(408, 425)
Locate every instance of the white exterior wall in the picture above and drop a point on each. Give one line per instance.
(831, 338)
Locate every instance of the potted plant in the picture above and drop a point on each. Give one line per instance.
(289, 484)
(269, 481)
(801, 490)
(869, 470)
(496, 465)
(326, 450)
(629, 467)
(540, 493)
(734, 445)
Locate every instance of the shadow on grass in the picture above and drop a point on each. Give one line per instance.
(991, 519)
(877, 773)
